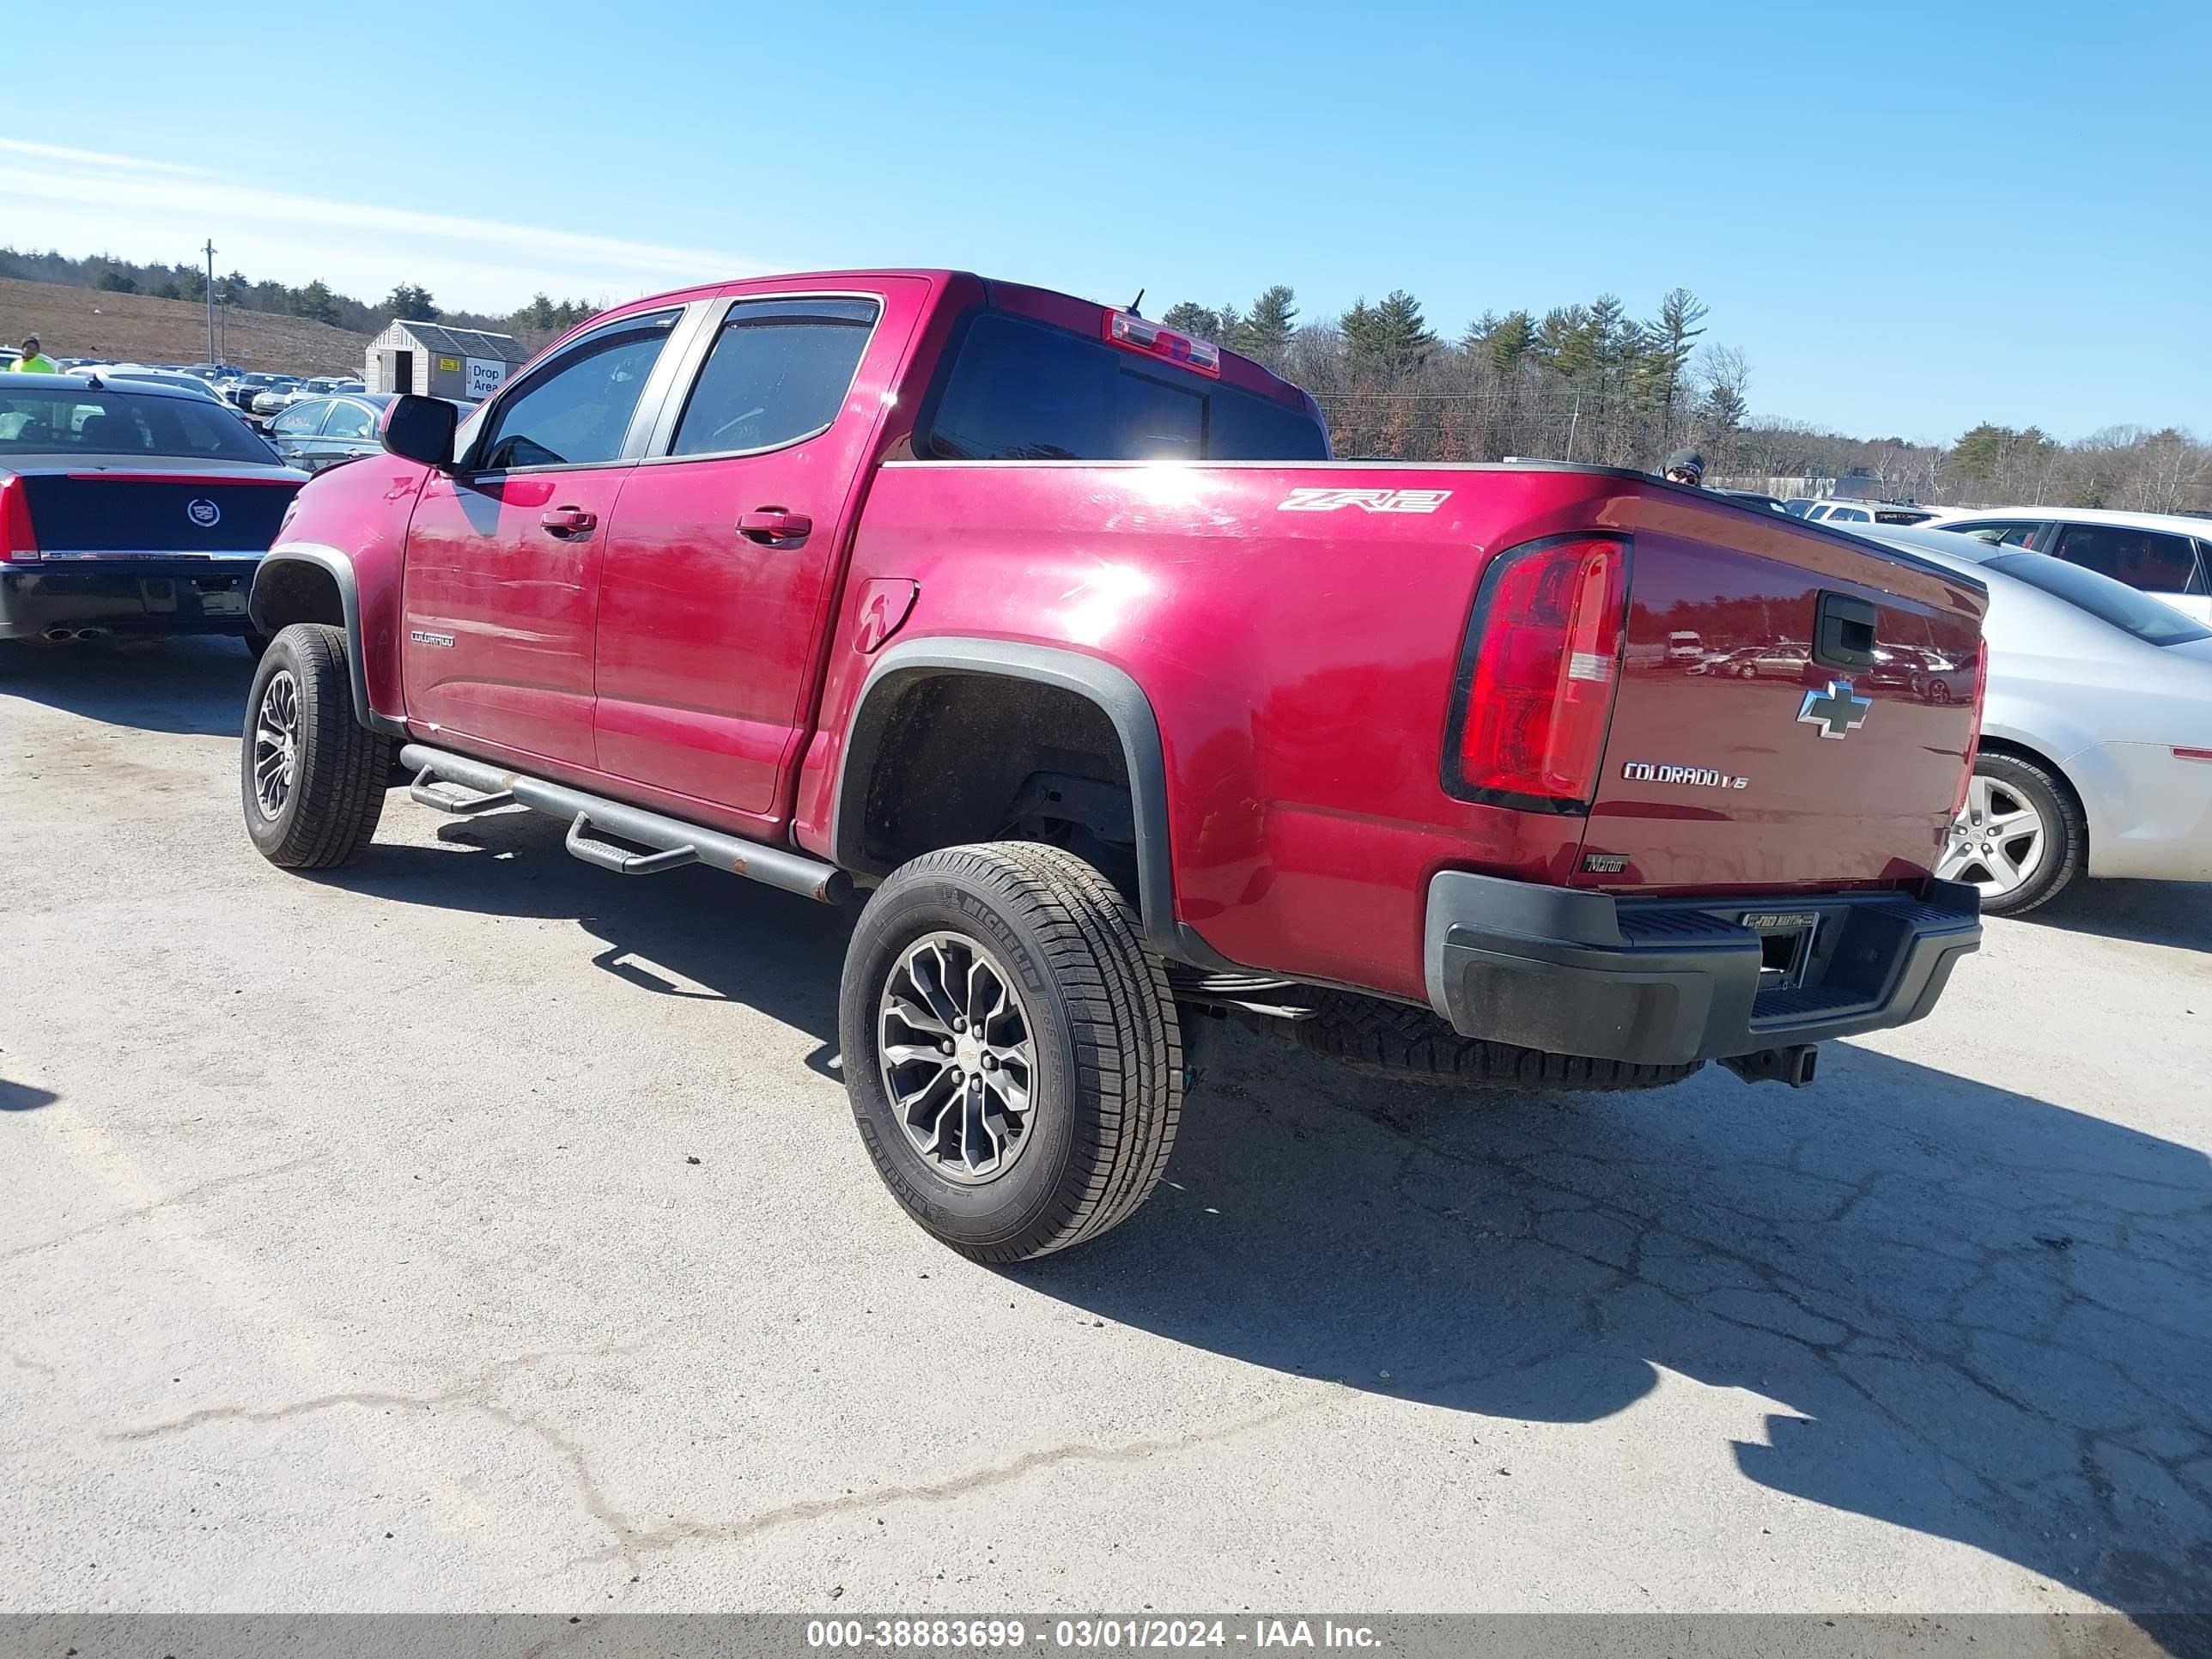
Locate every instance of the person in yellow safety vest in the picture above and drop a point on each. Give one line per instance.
(35, 361)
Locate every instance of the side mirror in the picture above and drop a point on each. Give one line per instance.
(420, 429)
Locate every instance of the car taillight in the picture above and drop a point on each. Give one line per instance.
(19, 543)
(1134, 333)
(1537, 677)
(1974, 736)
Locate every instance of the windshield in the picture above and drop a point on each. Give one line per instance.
(2114, 601)
(75, 420)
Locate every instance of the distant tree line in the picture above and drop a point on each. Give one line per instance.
(1592, 382)
(541, 319)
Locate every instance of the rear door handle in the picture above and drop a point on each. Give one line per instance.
(770, 524)
(568, 521)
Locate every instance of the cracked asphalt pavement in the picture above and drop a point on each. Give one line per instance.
(470, 1229)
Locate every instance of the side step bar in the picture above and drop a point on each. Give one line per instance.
(674, 842)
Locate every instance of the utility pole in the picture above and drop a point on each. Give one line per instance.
(209, 250)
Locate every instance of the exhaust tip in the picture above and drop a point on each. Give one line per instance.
(57, 635)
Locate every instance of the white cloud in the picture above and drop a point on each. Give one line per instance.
(92, 157)
(87, 202)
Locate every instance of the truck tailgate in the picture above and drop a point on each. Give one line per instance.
(1743, 755)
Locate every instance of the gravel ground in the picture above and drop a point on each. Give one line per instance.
(474, 1231)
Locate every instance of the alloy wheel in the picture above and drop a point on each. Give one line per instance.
(1998, 843)
(276, 743)
(958, 1057)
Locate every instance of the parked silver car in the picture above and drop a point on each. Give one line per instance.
(2096, 756)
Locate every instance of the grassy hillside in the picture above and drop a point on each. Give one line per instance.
(83, 322)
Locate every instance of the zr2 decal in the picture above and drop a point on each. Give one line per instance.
(1314, 499)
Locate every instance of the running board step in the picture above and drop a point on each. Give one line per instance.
(608, 856)
(673, 842)
(424, 791)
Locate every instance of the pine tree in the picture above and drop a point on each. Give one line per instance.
(1361, 330)
(1503, 341)
(1667, 340)
(409, 303)
(1269, 324)
(1403, 332)
(1195, 320)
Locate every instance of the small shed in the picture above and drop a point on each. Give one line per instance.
(438, 362)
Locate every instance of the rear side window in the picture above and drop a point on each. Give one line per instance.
(1846, 516)
(1023, 391)
(2144, 559)
(778, 371)
(1902, 517)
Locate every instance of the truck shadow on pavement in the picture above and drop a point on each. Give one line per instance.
(1968, 1312)
(693, 933)
(1975, 1313)
(194, 686)
(2147, 912)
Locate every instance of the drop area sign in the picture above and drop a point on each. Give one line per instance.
(485, 374)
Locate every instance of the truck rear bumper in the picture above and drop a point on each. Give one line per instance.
(1667, 982)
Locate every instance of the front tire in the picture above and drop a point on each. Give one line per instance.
(1012, 1050)
(311, 777)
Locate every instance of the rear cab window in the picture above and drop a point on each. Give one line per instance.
(1014, 388)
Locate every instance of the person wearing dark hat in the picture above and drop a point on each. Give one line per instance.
(1686, 466)
(35, 361)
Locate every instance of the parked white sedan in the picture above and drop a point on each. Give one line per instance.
(2096, 756)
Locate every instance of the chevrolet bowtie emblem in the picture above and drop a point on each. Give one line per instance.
(1837, 711)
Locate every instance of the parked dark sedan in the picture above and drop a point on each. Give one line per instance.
(319, 432)
(129, 507)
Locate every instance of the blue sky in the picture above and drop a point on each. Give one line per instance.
(1910, 217)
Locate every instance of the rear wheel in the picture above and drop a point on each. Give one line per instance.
(311, 777)
(1012, 1051)
(2020, 839)
(1395, 1040)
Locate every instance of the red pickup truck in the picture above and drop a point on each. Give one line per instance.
(1063, 634)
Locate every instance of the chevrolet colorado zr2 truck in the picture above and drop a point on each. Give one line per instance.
(1063, 633)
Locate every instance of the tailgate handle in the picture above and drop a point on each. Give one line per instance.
(1843, 632)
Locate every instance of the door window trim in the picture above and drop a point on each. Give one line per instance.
(716, 312)
(644, 418)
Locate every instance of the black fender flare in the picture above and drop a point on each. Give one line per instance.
(1115, 695)
(339, 566)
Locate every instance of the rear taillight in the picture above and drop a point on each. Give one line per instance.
(1974, 736)
(1134, 333)
(1538, 674)
(19, 543)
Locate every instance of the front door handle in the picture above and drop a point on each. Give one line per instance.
(770, 525)
(568, 521)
